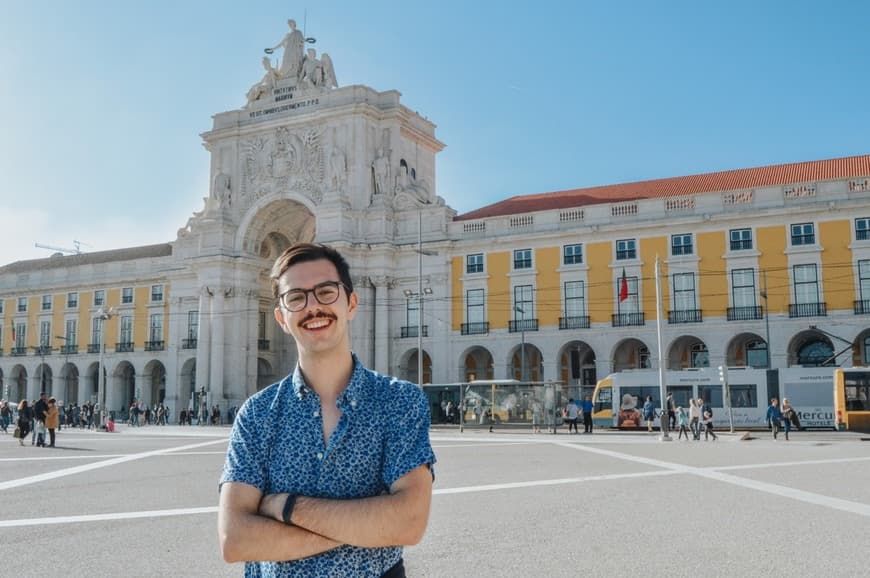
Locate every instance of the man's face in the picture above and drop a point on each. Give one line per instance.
(316, 328)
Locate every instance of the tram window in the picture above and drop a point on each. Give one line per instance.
(744, 395)
(682, 393)
(711, 395)
(858, 398)
(641, 392)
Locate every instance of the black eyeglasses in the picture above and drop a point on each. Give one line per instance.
(325, 293)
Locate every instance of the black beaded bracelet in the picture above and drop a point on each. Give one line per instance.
(288, 509)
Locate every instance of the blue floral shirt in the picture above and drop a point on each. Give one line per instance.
(277, 445)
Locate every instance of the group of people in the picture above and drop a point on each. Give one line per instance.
(39, 419)
(571, 414)
(699, 418)
(781, 417)
(141, 414)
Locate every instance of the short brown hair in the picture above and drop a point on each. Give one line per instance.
(304, 252)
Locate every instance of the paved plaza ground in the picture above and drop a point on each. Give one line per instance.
(142, 502)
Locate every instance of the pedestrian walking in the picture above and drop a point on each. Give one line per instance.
(571, 413)
(672, 415)
(649, 412)
(25, 420)
(52, 421)
(683, 421)
(774, 416)
(694, 419)
(587, 414)
(789, 417)
(707, 420)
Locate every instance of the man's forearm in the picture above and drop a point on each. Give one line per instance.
(252, 537)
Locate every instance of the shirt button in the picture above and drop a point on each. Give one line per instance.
(353, 403)
(319, 456)
(316, 413)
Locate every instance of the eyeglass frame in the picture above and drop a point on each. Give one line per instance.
(312, 291)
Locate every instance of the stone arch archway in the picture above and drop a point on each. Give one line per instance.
(476, 363)
(265, 374)
(408, 366)
(687, 352)
(811, 348)
(274, 223)
(534, 363)
(577, 364)
(154, 387)
(631, 353)
(747, 350)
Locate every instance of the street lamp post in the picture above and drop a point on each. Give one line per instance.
(522, 321)
(65, 349)
(103, 316)
(767, 321)
(420, 292)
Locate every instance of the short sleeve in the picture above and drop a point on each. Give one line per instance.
(245, 461)
(407, 445)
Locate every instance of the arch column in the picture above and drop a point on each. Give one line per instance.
(215, 384)
(382, 323)
(203, 350)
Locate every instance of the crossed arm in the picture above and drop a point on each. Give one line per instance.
(250, 527)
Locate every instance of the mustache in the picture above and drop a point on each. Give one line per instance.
(319, 314)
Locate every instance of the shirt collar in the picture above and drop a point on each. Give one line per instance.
(352, 394)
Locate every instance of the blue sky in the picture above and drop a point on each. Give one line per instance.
(103, 101)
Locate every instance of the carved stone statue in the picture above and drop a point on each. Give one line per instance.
(266, 85)
(222, 192)
(312, 70)
(381, 171)
(337, 176)
(293, 44)
(329, 80)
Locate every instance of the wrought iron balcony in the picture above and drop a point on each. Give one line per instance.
(862, 307)
(124, 346)
(411, 331)
(69, 349)
(574, 322)
(263, 344)
(745, 313)
(627, 319)
(93, 347)
(807, 310)
(519, 325)
(16, 351)
(42, 350)
(478, 328)
(189, 343)
(154, 345)
(684, 316)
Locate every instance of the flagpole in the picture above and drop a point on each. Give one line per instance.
(663, 419)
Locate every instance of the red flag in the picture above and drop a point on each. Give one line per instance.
(623, 287)
(13, 335)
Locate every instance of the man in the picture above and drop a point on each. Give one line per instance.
(672, 411)
(774, 416)
(571, 411)
(328, 471)
(39, 409)
(587, 414)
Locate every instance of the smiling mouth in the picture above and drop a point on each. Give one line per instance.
(318, 322)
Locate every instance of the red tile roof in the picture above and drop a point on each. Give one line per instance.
(739, 179)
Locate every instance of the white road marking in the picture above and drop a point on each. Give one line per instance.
(102, 456)
(713, 474)
(103, 464)
(107, 517)
(556, 482)
(487, 444)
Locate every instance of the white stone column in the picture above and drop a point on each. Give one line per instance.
(215, 385)
(382, 324)
(203, 348)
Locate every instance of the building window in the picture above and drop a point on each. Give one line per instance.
(126, 295)
(684, 292)
(741, 239)
(99, 298)
(626, 249)
(155, 328)
(45, 334)
(575, 299)
(572, 254)
(22, 304)
(806, 284)
(412, 313)
(524, 305)
(523, 259)
(72, 300)
(643, 357)
(46, 302)
(756, 354)
(193, 324)
(803, 234)
(1, 305)
(71, 333)
(126, 329)
(474, 263)
(19, 335)
(630, 303)
(96, 332)
(862, 229)
(156, 294)
(743, 287)
(474, 306)
(261, 326)
(681, 245)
